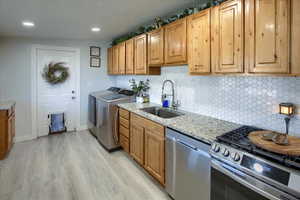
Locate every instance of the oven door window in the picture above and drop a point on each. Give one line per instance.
(225, 188)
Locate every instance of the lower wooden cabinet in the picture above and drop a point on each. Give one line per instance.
(7, 131)
(137, 143)
(155, 154)
(124, 142)
(124, 129)
(147, 146)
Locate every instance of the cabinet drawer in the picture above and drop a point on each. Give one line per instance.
(124, 122)
(136, 119)
(124, 113)
(155, 128)
(124, 131)
(124, 142)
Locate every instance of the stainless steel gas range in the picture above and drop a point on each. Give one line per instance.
(242, 171)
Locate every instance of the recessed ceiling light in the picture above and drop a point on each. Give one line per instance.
(96, 29)
(28, 24)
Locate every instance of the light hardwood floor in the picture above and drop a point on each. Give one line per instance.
(73, 166)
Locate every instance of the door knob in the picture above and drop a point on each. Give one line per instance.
(73, 97)
(73, 92)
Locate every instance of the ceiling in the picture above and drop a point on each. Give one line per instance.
(73, 19)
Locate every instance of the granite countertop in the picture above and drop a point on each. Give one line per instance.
(6, 105)
(198, 126)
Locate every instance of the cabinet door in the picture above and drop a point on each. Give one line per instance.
(9, 133)
(140, 54)
(268, 36)
(176, 42)
(130, 56)
(137, 142)
(295, 48)
(124, 143)
(115, 67)
(156, 48)
(228, 37)
(155, 154)
(122, 58)
(199, 42)
(110, 60)
(3, 133)
(13, 125)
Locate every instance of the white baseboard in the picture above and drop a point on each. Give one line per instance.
(32, 137)
(82, 128)
(25, 138)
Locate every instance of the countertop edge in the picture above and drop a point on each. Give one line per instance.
(7, 105)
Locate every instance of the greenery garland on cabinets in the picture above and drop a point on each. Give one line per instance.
(161, 22)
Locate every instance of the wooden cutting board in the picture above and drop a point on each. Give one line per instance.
(292, 149)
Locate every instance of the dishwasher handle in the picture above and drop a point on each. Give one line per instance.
(187, 145)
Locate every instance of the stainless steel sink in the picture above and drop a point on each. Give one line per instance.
(162, 112)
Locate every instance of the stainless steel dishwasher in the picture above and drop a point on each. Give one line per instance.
(187, 167)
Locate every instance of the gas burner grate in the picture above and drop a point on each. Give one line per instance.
(239, 139)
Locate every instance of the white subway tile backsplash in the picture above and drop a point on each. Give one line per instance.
(245, 100)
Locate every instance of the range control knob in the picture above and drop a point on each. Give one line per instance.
(213, 146)
(235, 156)
(216, 148)
(225, 152)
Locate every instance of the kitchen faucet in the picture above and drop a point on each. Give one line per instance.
(173, 105)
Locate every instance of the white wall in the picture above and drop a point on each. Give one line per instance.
(15, 76)
(244, 100)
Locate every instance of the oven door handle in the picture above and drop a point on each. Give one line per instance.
(250, 182)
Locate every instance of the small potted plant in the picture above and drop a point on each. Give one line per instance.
(140, 89)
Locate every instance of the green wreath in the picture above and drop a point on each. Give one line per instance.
(55, 73)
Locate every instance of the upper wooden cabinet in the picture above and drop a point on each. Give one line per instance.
(156, 47)
(228, 37)
(295, 54)
(130, 56)
(122, 58)
(176, 42)
(238, 36)
(110, 60)
(267, 25)
(115, 66)
(140, 54)
(199, 48)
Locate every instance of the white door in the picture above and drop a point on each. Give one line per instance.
(59, 98)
